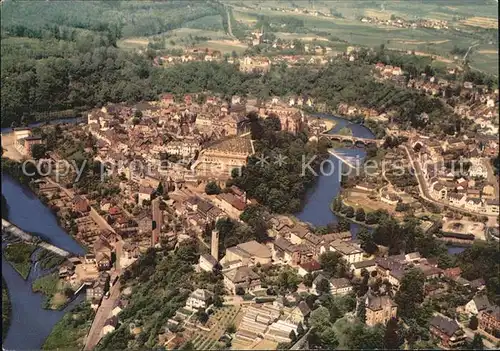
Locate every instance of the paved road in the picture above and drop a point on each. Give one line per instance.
(492, 179)
(101, 316)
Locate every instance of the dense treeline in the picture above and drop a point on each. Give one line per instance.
(132, 18)
(482, 260)
(277, 176)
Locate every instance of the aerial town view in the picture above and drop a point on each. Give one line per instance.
(250, 175)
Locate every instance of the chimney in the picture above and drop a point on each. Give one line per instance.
(215, 245)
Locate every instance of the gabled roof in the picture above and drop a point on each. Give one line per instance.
(241, 275)
(201, 294)
(445, 325)
(304, 308)
(340, 283)
(481, 302)
(311, 266)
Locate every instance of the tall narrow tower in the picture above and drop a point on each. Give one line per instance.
(214, 247)
(157, 221)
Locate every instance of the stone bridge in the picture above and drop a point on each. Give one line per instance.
(354, 140)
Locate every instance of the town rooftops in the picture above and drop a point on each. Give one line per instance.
(210, 259)
(146, 190)
(285, 245)
(345, 248)
(232, 200)
(339, 283)
(481, 302)
(364, 264)
(494, 311)
(304, 308)
(33, 137)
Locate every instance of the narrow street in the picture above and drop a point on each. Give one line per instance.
(101, 316)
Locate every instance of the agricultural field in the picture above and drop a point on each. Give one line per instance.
(473, 23)
(218, 323)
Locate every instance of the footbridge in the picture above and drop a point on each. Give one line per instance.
(10, 228)
(354, 140)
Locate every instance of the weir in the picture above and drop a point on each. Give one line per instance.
(12, 229)
(341, 158)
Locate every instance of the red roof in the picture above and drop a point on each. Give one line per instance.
(453, 272)
(311, 266)
(114, 210)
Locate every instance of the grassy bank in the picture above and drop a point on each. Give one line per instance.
(57, 293)
(69, 333)
(6, 309)
(19, 256)
(351, 219)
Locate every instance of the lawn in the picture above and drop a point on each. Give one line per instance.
(55, 290)
(19, 256)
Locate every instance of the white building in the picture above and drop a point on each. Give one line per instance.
(340, 286)
(349, 252)
(199, 299)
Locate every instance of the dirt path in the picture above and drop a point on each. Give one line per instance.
(229, 29)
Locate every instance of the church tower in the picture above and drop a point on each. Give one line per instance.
(214, 247)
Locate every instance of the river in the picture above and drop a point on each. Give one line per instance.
(317, 208)
(31, 324)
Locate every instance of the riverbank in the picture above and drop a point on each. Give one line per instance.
(351, 219)
(69, 333)
(30, 324)
(57, 293)
(6, 309)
